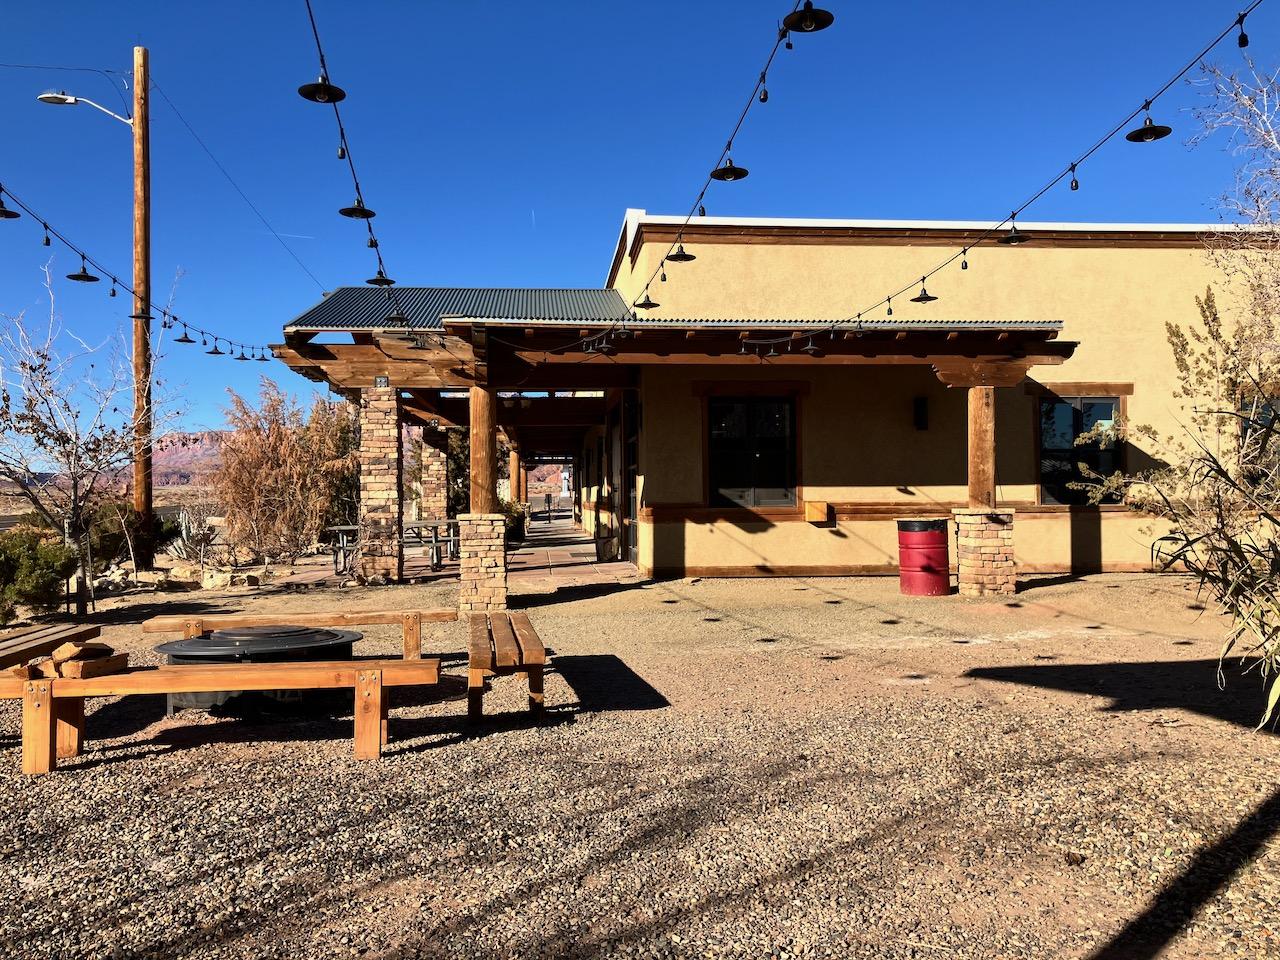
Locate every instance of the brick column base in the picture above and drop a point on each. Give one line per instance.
(984, 552)
(484, 562)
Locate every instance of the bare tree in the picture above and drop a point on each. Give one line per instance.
(1216, 489)
(65, 422)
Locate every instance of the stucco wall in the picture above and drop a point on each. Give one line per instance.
(857, 441)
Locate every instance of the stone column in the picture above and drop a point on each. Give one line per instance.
(434, 502)
(984, 552)
(483, 567)
(381, 479)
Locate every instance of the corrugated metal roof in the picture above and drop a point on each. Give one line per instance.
(366, 308)
(782, 323)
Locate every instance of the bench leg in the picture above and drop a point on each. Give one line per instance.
(369, 714)
(382, 721)
(69, 712)
(39, 753)
(412, 625)
(475, 694)
(535, 688)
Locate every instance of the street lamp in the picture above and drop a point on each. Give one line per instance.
(140, 123)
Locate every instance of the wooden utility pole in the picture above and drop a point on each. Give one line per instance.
(484, 450)
(144, 548)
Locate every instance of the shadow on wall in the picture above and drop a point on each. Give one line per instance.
(1156, 685)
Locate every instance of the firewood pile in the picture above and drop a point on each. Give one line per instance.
(77, 659)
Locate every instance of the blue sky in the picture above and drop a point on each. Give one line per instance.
(501, 141)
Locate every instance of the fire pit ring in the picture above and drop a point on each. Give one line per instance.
(278, 644)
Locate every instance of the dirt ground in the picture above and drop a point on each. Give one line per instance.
(746, 768)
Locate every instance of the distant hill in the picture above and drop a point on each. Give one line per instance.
(183, 458)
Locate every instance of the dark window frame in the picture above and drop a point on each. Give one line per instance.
(751, 497)
(1092, 455)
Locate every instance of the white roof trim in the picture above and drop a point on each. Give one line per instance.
(635, 218)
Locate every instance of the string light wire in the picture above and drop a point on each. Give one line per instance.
(167, 318)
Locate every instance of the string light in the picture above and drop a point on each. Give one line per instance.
(1146, 133)
(84, 275)
(681, 255)
(324, 91)
(924, 296)
(807, 19)
(1242, 41)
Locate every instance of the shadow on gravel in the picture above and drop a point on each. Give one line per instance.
(1180, 684)
(588, 591)
(603, 682)
(1146, 935)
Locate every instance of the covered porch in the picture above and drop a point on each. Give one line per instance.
(568, 375)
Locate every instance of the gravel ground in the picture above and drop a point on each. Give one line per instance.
(778, 768)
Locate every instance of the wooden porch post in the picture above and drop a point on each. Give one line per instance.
(982, 447)
(484, 450)
(524, 483)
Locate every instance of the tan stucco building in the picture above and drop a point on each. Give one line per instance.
(751, 423)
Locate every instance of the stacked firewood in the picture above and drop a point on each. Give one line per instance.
(77, 660)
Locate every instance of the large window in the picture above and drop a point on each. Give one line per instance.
(752, 449)
(1062, 420)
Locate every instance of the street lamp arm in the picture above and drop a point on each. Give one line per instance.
(109, 113)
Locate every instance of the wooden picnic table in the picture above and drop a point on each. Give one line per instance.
(436, 535)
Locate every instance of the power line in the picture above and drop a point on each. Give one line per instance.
(111, 75)
(231, 180)
(168, 321)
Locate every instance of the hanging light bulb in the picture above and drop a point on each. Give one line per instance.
(373, 242)
(113, 287)
(381, 280)
(46, 241)
(808, 19)
(357, 211)
(743, 349)
(663, 276)
(681, 255)
(729, 173)
(262, 356)
(1242, 41)
(342, 151)
(215, 352)
(83, 275)
(810, 348)
(647, 303)
(322, 91)
(242, 356)
(764, 88)
(964, 258)
(396, 317)
(1150, 131)
(6, 213)
(889, 304)
(772, 352)
(785, 34)
(702, 211)
(186, 336)
(1014, 236)
(1075, 184)
(924, 296)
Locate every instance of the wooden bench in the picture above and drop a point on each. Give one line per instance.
(27, 643)
(53, 710)
(502, 644)
(410, 621)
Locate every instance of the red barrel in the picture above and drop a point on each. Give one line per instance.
(923, 564)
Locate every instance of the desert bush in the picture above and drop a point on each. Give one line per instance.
(285, 476)
(34, 568)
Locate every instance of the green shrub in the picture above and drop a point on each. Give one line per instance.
(515, 518)
(34, 567)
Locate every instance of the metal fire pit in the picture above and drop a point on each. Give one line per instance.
(283, 644)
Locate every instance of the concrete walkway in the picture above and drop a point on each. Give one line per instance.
(555, 554)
